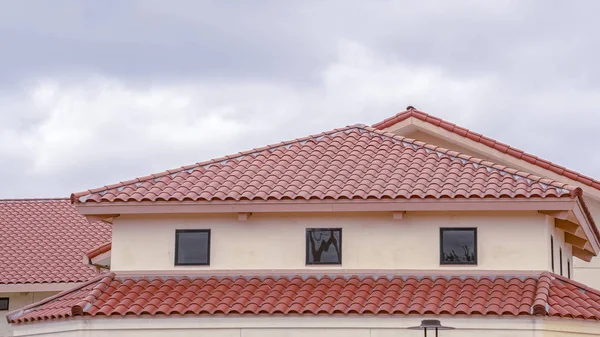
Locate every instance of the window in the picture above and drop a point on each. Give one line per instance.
(323, 246)
(458, 245)
(3, 303)
(560, 257)
(192, 247)
(568, 268)
(552, 251)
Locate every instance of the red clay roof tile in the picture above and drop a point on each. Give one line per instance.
(44, 241)
(542, 294)
(103, 248)
(517, 153)
(355, 162)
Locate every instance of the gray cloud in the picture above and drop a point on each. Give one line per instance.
(92, 93)
(149, 40)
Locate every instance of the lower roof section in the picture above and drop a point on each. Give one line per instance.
(43, 242)
(541, 294)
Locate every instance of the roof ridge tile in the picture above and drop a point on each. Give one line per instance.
(540, 301)
(102, 283)
(101, 249)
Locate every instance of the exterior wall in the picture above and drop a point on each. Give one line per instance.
(506, 240)
(307, 326)
(16, 301)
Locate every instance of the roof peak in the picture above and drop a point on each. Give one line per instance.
(489, 142)
(481, 162)
(407, 142)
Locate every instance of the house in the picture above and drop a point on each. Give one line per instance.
(358, 231)
(43, 242)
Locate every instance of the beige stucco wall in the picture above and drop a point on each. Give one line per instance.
(506, 240)
(16, 301)
(307, 326)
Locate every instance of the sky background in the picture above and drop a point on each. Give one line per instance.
(96, 92)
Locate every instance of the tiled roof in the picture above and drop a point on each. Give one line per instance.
(103, 248)
(542, 294)
(492, 143)
(45, 240)
(355, 162)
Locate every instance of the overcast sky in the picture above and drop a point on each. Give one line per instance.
(96, 92)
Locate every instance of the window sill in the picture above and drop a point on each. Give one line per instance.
(323, 265)
(458, 264)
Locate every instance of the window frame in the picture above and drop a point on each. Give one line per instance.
(306, 240)
(568, 268)
(7, 299)
(177, 232)
(467, 263)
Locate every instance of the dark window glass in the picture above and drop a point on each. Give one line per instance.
(552, 251)
(323, 246)
(458, 245)
(560, 257)
(192, 247)
(568, 269)
(3, 303)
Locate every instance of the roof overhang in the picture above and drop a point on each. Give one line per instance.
(99, 251)
(101, 261)
(107, 211)
(99, 257)
(580, 230)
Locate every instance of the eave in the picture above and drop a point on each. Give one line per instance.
(109, 210)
